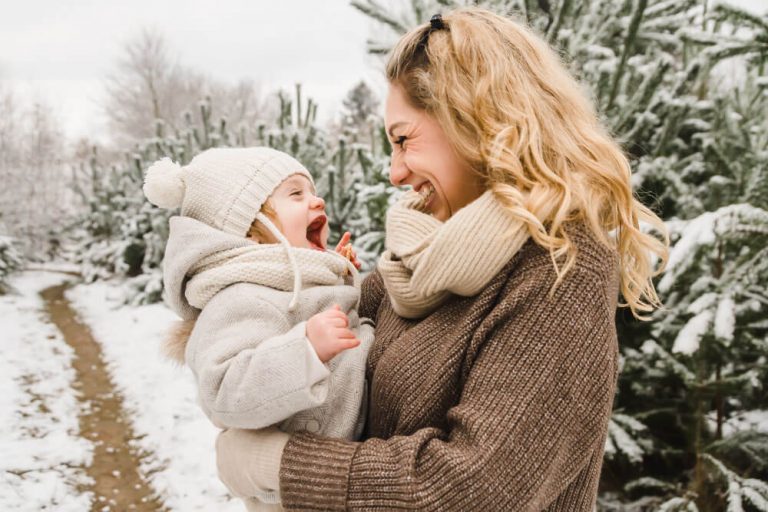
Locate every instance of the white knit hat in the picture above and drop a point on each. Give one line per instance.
(226, 188)
(222, 187)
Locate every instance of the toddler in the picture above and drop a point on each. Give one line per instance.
(272, 335)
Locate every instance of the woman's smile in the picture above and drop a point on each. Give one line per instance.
(427, 193)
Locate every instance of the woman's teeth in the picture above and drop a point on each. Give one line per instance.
(426, 192)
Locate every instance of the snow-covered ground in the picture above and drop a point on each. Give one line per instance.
(159, 397)
(41, 453)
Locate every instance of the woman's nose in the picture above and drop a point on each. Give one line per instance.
(398, 172)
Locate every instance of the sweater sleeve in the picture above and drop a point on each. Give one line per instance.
(371, 294)
(532, 413)
(252, 368)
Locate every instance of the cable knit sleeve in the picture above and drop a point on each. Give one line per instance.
(252, 368)
(532, 414)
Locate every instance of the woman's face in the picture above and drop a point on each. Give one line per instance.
(423, 158)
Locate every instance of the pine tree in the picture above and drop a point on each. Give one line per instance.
(10, 261)
(359, 115)
(122, 234)
(698, 149)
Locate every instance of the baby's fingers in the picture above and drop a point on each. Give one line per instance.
(348, 341)
(339, 321)
(344, 241)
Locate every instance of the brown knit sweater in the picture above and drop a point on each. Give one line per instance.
(497, 402)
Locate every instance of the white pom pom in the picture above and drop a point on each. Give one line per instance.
(164, 184)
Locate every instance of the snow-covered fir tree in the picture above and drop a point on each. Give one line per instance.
(689, 431)
(11, 261)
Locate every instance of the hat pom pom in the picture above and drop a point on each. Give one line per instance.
(164, 184)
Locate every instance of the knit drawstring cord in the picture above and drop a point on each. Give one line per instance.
(295, 267)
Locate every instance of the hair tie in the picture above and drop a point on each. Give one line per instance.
(436, 22)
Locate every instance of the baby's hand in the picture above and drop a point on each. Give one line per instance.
(329, 334)
(345, 249)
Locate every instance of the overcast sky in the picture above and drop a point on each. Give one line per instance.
(61, 50)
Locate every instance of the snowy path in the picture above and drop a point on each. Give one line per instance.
(50, 458)
(114, 470)
(160, 398)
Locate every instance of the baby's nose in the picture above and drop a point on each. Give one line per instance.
(319, 202)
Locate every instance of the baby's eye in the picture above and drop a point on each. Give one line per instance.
(296, 193)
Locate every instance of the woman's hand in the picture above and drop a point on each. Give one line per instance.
(344, 247)
(248, 461)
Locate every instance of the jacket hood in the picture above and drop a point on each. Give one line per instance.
(190, 241)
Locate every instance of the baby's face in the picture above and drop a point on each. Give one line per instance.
(301, 213)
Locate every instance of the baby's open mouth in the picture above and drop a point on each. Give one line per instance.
(314, 230)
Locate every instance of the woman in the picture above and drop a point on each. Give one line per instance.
(495, 361)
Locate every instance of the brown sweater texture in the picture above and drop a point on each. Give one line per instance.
(496, 402)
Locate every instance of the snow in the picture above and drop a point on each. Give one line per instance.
(160, 396)
(697, 232)
(41, 453)
(618, 440)
(689, 337)
(725, 319)
(705, 301)
(746, 420)
(704, 229)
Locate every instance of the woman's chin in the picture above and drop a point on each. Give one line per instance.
(435, 209)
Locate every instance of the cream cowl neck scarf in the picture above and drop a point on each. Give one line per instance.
(427, 260)
(267, 265)
(200, 261)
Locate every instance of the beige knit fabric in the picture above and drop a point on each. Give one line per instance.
(497, 402)
(427, 260)
(267, 265)
(258, 471)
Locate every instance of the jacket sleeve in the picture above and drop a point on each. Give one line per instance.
(252, 368)
(372, 292)
(531, 415)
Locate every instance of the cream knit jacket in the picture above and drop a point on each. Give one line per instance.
(252, 361)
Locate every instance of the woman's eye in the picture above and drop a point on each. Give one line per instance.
(400, 141)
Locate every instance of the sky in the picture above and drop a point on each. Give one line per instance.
(60, 51)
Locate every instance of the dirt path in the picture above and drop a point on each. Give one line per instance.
(114, 469)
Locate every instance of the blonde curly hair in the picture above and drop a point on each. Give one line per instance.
(514, 112)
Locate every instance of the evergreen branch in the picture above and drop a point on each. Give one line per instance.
(417, 10)
(667, 7)
(561, 15)
(634, 25)
(643, 95)
(740, 15)
(373, 10)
